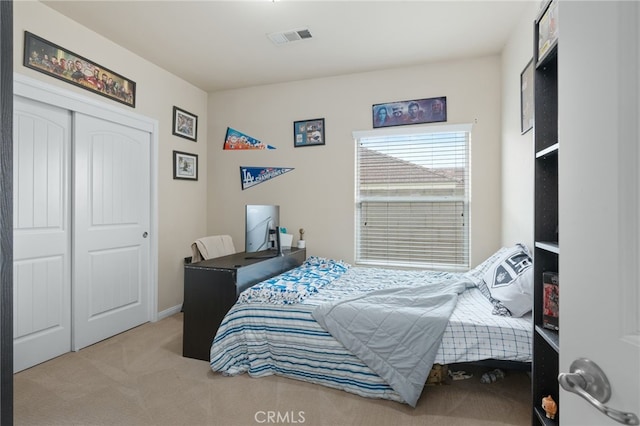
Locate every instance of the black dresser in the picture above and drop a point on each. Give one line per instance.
(211, 287)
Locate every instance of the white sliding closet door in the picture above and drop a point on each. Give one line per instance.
(41, 232)
(111, 248)
(83, 193)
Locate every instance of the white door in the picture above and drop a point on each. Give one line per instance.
(599, 193)
(111, 224)
(41, 233)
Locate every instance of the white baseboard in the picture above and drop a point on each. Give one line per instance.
(168, 312)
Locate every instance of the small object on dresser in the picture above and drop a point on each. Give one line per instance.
(550, 407)
(301, 243)
(285, 239)
(550, 300)
(492, 376)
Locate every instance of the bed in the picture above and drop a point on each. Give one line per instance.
(275, 326)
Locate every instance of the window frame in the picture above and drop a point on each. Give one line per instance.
(464, 199)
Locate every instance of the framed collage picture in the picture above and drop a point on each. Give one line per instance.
(308, 132)
(185, 124)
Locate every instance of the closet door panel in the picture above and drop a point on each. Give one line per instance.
(41, 228)
(112, 216)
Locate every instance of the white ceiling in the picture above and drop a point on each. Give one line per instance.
(219, 45)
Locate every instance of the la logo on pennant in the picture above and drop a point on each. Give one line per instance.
(252, 176)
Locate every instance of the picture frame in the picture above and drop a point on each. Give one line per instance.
(55, 61)
(308, 132)
(526, 98)
(185, 124)
(402, 113)
(547, 29)
(185, 165)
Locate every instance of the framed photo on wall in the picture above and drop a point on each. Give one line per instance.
(57, 62)
(185, 124)
(547, 29)
(185, 166)
(308, 132)
(526, 98)
(416, 111)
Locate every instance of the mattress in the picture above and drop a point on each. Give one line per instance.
(262, 336)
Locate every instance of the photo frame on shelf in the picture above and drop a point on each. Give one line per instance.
(417, 111)
(55, 61)
(308, 132)
(526, 98)
(547, 29)
(185, 124)
(185, 165)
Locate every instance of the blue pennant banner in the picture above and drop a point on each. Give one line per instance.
(252, 176)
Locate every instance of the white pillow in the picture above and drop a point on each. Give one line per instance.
(510, 280)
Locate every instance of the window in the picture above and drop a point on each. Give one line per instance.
(412, 197)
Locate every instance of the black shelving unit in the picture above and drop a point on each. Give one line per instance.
(546, 342)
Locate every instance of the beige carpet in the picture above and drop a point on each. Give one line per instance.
(140, 378)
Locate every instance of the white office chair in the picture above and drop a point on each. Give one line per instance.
(212, 246)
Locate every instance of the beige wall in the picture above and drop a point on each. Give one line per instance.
(182, 204)
(517, 149)
(319, 194)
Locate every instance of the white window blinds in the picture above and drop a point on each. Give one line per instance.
(412, 197)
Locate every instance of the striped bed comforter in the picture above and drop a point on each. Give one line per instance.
(265, 334)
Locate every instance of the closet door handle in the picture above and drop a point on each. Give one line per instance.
(145, 234)
(589, 381)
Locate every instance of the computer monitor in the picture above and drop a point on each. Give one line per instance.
(261, 223)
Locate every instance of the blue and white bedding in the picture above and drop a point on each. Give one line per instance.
(265, 335)
(296, 284)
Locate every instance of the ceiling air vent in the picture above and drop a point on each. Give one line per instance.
(289, 36)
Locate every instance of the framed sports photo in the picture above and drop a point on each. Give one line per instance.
(308, 132)
(185, 124)
(185, 166)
